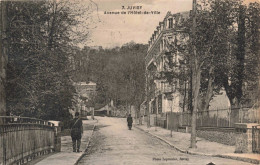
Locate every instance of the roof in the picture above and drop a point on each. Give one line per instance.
(178, 16)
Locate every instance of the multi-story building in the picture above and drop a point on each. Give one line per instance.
(163, 96)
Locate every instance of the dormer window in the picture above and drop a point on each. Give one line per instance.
(170, 23)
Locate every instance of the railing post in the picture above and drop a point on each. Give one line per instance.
(57, 139)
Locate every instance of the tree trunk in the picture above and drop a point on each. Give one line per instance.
(240, 55)
(184, 97)
(209, 94)
(52, 28)
(148, 114)
(195, 79)
(3, 57)
(196, 88)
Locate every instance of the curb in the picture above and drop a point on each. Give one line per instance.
(249, 160)
(85, 152)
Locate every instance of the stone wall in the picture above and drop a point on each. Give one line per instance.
(226, 137)
(223, 136)
(242, 143)
(240, 136)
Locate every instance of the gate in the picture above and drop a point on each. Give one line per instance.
(255, 139)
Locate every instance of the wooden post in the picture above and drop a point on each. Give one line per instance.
(93, 113)
(57, 140)
(171, 104)
(217, 117)
(156, 122)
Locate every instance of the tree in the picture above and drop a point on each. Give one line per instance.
(3, 56)
(38, 76)
(251, 73)
(210, 29)
(242, 70)
(118, 72)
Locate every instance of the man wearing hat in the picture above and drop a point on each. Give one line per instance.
(76, 132)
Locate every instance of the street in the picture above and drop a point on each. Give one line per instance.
(114, 144)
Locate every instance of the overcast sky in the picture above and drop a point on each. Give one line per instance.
(116, 30)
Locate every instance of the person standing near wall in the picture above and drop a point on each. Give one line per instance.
(76, 132)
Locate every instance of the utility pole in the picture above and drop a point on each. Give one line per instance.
(156, 113)
(171, 114)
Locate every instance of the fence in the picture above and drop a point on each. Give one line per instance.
(223, 118)
(161, 122)
(256, 139)
(22, 139)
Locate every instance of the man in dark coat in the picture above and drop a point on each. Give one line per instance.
(76, 132)
(129, 121)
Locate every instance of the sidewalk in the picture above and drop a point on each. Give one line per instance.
(66, 156)
(181, 142)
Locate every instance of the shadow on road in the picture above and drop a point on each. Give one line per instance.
(97, 128)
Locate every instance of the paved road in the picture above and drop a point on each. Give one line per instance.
(114, 144)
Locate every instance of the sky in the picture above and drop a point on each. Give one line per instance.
(111, 30)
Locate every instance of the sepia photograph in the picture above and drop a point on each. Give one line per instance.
(129, 82)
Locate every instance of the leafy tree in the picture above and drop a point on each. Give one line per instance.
(39, 75)
(215, 55)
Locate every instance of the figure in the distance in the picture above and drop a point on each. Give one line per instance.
(129, 121)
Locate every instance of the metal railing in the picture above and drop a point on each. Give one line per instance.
(256, 139)
(23, 138)
(224, 118)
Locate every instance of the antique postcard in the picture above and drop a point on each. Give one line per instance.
(129, 82)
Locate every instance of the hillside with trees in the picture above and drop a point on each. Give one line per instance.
(119, 73)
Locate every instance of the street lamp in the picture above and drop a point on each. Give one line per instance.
(156, 113)
(170, 98)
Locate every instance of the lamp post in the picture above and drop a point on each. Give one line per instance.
(156, 113)
(171, 115)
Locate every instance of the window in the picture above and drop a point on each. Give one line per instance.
(170, 23)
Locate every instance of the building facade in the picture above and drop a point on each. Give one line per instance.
(161, 95)
(85, 94)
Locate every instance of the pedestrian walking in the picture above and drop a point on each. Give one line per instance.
(129, 121)
(76, 132)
